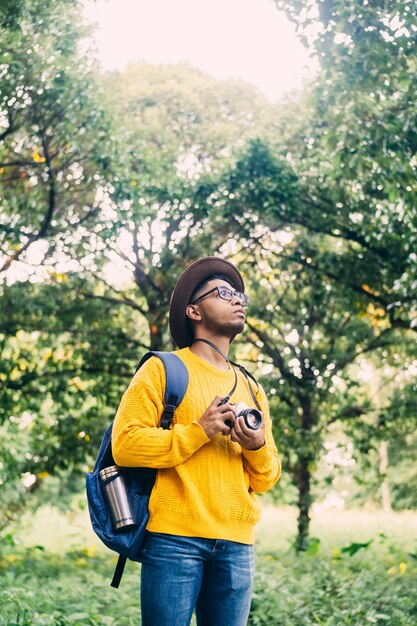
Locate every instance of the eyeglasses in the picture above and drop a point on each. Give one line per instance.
(225, 294)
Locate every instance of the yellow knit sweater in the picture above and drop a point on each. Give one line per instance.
(204, 487)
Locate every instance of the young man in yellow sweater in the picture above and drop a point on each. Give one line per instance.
(198, 550)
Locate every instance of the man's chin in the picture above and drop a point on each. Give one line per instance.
(238, 328)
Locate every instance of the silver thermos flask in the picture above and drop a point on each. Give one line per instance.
(115, 488)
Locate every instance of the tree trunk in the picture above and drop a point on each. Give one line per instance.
(157, 323)
(383, 467)
(303, 475)
(304, 503)
(375, 386)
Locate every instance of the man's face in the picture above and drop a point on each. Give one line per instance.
(218, 308)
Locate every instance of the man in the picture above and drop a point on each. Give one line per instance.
(198, 550)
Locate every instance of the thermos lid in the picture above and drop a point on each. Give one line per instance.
(107, 472)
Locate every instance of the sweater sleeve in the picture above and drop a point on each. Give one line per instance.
(263, 465)
(137, 439)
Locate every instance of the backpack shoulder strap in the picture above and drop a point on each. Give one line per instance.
(118, 572)
(176, 382)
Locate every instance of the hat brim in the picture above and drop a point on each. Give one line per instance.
(192, 276)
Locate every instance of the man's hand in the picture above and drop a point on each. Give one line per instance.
(213, 419)
(246, 437)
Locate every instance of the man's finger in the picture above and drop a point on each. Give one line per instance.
(236, 426)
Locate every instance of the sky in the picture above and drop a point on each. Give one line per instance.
(246, 39)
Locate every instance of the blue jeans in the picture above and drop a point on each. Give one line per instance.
(180, 573)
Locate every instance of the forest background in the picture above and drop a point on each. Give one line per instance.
(111, 182)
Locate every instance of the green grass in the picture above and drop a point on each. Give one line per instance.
(361, 569)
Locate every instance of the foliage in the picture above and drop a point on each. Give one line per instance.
(54, 133)
(181, 130)
(316, 590)
(111, 184)
(336, 585)
(342, 190)
(61, 597)
(180, 123)
(356, 153)
(307, 337)
(400, 475)
(73, 332)
(66, 361)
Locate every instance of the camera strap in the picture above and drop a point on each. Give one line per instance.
(213, 345)
(233, 365)
(247, 375)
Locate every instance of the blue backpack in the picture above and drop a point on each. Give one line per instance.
(127, 542)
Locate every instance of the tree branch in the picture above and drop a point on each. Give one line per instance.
(48, 215)
(275, 355)
(125, 301)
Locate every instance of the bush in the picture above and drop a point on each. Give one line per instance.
(312, 591)
(355, 573)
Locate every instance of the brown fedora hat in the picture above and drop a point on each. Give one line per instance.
(191, 277)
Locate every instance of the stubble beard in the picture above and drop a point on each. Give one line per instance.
(227, 330)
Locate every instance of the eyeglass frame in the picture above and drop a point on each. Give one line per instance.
(238, 294)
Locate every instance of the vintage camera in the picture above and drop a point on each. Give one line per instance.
(252, 417)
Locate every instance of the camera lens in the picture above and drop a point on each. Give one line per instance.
(252, 417)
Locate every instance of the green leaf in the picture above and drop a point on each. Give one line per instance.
(353, 548)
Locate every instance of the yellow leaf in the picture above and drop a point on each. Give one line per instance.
(38, 158)
(79, 384)
(11, 558)
(91, 551)
(369, 290)
(60, 278)
(48, 354)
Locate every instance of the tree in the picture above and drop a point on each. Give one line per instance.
(54, 148)
(307, 335)
(343, 191)
(315, 291)
(181, 131)
(356, 154)
(53, 153)
(76, 335)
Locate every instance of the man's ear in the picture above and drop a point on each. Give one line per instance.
(193, 312)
